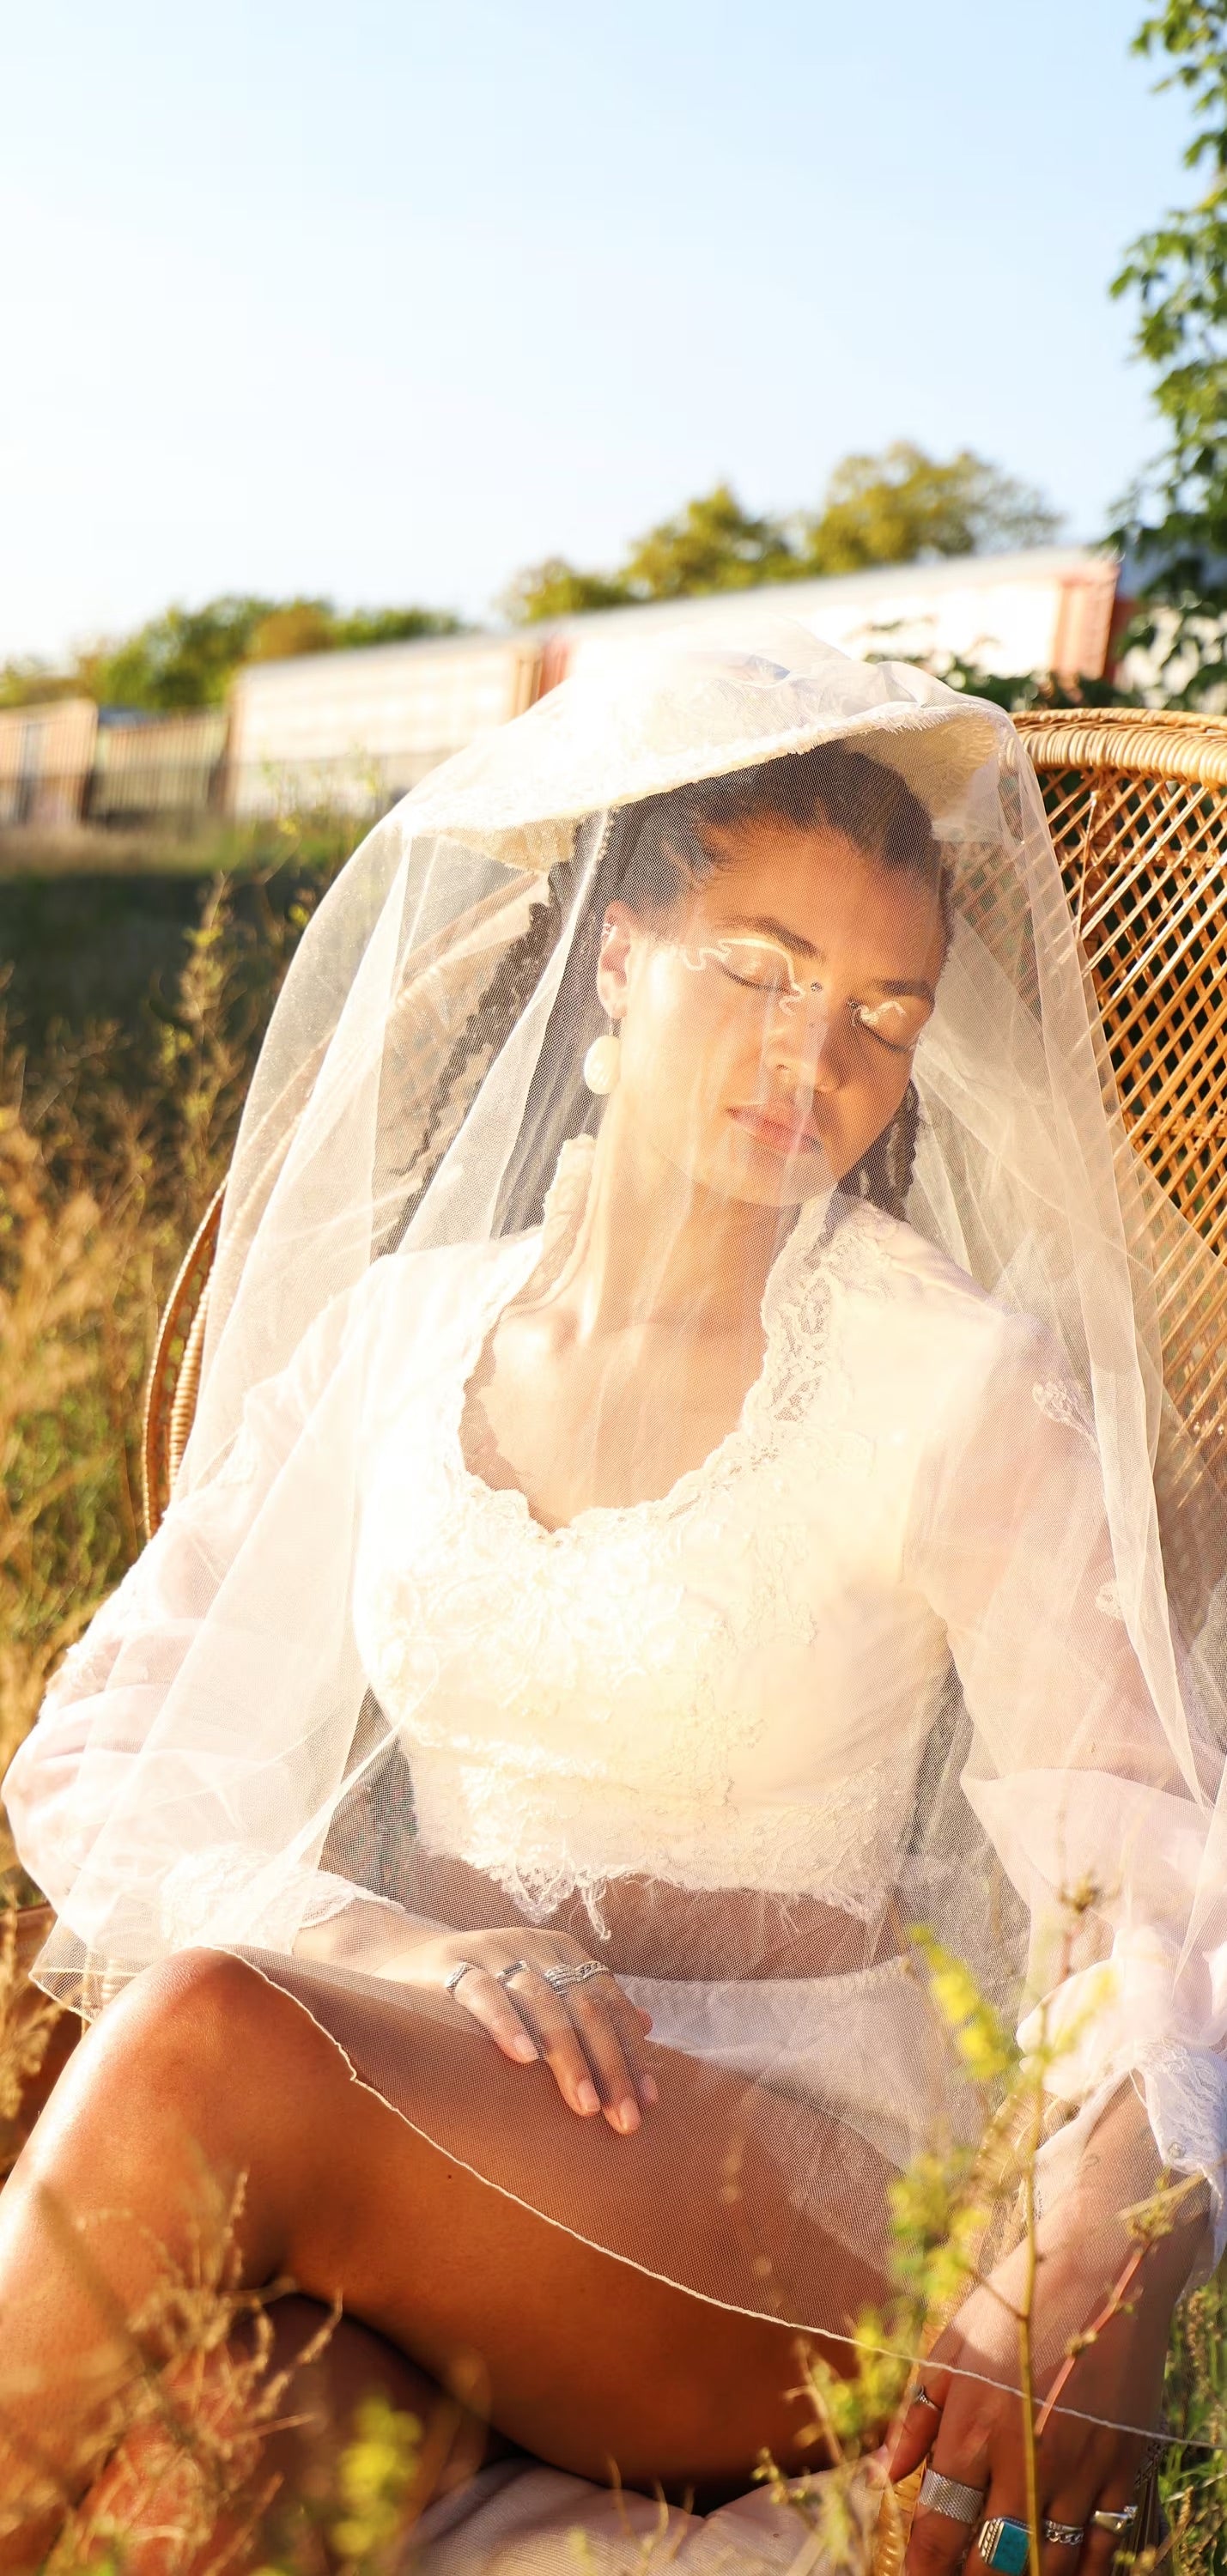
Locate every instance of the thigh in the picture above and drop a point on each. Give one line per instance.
(425, 2220)
(435, 2229)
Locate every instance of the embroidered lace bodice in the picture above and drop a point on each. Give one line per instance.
(726, 1687)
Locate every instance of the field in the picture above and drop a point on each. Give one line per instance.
(132, 1006)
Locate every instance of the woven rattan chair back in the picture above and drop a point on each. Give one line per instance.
(1137, 804)
(1138, 808)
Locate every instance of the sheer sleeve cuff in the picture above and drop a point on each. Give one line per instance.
(1113, 2022)
(213, 1896)
(1185, 2091)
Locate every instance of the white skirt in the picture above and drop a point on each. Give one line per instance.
(518, 2518)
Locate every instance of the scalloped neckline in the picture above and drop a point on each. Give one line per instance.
(511, 1500)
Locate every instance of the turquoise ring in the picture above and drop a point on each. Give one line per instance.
(1005, 2544)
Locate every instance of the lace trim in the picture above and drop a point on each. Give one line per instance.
(831, 1243)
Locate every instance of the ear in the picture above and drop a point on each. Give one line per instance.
(619, 935)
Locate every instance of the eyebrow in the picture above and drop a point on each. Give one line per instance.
(903, 986)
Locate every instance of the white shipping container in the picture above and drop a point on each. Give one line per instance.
(353, 730)
(1049, 609)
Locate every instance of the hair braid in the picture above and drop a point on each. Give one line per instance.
(477, 1044)
(884, 1174)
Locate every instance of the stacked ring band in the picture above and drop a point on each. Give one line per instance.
(947, 2495)
(1065, 2535)
(563, 1976)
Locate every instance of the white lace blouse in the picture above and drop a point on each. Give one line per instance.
(731, 1687)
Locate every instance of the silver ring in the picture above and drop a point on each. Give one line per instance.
(921, 2397)
(1067, 2535)
(514, 1968)
(1118, 2523)
(452, 1980)
(947, 2495)
(561, 1977)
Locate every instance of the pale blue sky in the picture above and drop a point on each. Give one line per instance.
(388, 298)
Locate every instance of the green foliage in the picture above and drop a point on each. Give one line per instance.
(1174, 521)
(1194, 2478)
(901, 507)
(29, 681)
(187, 657)
(711, 544)
(375, 2477)
(904, 507)
(555, 589)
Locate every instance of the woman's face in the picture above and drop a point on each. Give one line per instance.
(767, 1023)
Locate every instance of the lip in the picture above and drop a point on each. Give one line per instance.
(783, 1135)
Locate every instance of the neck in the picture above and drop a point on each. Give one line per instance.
(655, 1246)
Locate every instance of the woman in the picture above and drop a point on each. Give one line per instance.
(674, 1502)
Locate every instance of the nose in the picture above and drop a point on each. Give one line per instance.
(805, 1045)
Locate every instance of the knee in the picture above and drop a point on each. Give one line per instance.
(187, 2032)
(202, 2004)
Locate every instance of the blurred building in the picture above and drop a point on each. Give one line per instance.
(353, 731)
(350, 732)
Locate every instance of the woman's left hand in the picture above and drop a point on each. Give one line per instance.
(973, 2432)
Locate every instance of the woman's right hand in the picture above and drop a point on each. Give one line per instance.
(589, 2034)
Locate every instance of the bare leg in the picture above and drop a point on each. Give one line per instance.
(588, 2361)
(279, 2496)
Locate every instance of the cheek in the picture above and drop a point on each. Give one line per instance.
(680, 1031)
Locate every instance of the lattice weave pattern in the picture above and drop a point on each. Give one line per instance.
(1138, 810)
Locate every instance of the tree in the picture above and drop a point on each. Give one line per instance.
(299, 626)
(905, 507)
(187, 657)
(710, 544)
(393, 626)
(30, 682)
(555, 589)
(1174, 521)
(900, 507)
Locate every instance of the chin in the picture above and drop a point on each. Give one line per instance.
(763, 1178)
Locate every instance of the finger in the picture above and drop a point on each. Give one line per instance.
(915, 2435)
(558, 2041)
(938, 2541)
(611, 2049)
(961, 2455)
(916, 2430)
(604, 2005)
(1100, 2548)
(480, 1995)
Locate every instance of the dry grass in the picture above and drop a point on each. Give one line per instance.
(189, 2414)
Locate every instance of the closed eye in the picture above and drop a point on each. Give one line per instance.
(870, 1015)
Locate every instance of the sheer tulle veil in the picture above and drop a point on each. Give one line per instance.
(957, 1662)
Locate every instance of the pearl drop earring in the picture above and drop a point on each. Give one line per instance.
(603, 1063)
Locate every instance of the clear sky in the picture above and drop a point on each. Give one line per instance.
(386, 298)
